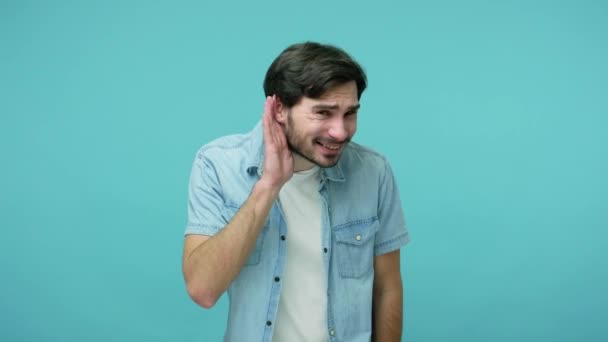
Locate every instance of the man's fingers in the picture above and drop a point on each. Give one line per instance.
(278, 132)
(274, 134)
(272, 128)
(267, 119)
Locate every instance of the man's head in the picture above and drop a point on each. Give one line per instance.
(318, 88)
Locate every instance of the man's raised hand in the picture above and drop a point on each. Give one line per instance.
(278, 160)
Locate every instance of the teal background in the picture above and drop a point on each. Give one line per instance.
(493, 115)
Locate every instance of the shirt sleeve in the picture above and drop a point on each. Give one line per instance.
(205, 201)
(392, 233)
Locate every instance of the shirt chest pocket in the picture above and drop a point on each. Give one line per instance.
(354, 247)
(254, 258)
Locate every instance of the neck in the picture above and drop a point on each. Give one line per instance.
(301, 164)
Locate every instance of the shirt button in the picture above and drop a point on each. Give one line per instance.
(331, 332)
(268, 323)
(282, 237)
(358, 237)
(277, 279)
(325, 249)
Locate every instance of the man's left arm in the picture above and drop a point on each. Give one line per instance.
(387, 311)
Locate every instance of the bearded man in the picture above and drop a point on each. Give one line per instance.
(298, 224)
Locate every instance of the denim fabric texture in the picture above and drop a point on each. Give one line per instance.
(362, 218)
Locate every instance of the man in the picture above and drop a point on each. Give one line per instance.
(301, 226)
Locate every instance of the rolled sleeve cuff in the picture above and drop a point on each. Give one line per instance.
(391, 244)
(193, 229)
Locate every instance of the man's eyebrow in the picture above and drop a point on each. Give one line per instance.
(334, 107)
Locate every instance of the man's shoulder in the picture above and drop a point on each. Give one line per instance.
(226, 142)
(227, 147)
(361, 156)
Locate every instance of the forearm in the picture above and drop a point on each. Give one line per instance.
(212, 266)
(388, 315)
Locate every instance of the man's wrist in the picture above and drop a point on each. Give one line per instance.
(266, 188)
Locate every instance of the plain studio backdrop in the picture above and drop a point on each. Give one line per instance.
(493, 115)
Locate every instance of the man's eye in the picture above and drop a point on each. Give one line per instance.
(351, 113)
(323, 113)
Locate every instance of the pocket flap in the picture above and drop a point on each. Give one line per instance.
(358, 232)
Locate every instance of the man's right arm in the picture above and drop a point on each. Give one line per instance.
(210, 264)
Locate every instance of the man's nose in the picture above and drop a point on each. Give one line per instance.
(338, 130)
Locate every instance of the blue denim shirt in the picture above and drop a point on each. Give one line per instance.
(361, 218)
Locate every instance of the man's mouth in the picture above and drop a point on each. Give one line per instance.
(330, 146)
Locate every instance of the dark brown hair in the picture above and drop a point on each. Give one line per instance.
(310, 69)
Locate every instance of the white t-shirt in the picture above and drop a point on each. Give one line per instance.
(302, 313)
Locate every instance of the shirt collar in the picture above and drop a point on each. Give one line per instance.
(255, 162)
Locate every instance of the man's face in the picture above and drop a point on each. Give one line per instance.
(319, 129)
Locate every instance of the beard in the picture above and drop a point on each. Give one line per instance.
(298, 145)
